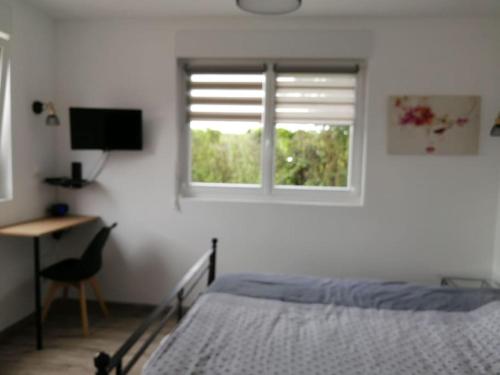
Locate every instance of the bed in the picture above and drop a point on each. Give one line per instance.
(276, 324)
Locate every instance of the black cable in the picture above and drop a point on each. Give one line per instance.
(100, 166)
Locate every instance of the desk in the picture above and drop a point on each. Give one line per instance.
(36, 229)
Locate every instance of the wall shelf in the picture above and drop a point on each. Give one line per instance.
(67, 182)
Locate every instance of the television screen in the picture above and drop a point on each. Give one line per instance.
(105, 129)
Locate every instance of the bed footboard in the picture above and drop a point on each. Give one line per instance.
(105, 364)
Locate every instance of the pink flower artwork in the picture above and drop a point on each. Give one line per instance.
(433, 124)
(417, 116)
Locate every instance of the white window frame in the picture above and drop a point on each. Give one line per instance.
(266, 191)
(4, 62)
(5, 139)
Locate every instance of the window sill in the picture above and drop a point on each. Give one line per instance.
(273, 201)
(346, 200)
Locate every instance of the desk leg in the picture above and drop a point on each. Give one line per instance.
(38, 303)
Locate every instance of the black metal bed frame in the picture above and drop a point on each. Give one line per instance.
(105, 364)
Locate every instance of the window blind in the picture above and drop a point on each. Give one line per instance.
(232, 97)
(316, 98)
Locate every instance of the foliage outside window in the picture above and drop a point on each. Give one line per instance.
(312, 157)
(271, 130)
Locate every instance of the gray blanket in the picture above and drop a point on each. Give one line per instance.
(354, 293)
(226, 334)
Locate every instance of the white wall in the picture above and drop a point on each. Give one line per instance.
(423, 216)
(32, 56)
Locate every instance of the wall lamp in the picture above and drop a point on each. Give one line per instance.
(52, 118)
(495, 130)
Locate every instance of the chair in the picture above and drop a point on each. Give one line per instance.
(75, 272)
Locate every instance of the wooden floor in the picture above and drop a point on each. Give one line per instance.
(66, 351)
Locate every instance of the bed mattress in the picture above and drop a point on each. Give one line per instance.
(230, 330)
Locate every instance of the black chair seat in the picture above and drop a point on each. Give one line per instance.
(68, 270)
(75, 270)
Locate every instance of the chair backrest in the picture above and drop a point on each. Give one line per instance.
(92, 257)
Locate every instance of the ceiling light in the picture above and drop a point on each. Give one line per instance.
(271, 7)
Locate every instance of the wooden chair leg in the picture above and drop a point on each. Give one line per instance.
(54, 287)
(97, 290)
(83, 309)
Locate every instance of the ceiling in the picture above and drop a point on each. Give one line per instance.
(65, 9)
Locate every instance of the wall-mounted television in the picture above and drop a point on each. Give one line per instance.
(105, 129)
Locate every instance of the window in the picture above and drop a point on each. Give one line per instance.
(3, 70)
(314, 114)
(5, 147)
(273, 131)
(225, 119)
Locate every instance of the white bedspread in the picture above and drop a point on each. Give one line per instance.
(226, 334)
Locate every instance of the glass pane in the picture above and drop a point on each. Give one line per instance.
(225, 113)
(225, 152)
(312, 155)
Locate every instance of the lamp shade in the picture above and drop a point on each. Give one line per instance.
(52, 120)
(270, 7)
(495, 130)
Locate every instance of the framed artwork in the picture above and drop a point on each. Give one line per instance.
(433, 125)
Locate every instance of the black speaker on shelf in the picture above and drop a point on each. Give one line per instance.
(76, 180)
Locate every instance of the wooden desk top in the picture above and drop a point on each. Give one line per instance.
(44, 226)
